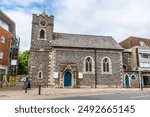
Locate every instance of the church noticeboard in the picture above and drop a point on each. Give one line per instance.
(55, 75)
(13, 62)
(80, 74)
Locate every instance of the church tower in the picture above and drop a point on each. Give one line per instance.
(41, 38)
(42, 31)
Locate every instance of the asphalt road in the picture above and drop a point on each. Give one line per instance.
(110, 96)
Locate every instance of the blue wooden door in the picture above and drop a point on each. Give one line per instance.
(67, 79)
(127, 81)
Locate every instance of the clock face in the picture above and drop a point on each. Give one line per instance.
(43, 23)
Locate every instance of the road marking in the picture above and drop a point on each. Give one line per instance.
(142, 96)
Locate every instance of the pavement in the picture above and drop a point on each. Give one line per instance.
(17, 93)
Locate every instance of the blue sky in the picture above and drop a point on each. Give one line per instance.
(117, 18)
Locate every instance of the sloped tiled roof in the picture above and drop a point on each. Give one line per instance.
(84, 41)
(134, 41)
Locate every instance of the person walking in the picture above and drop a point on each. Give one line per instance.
(26, 85)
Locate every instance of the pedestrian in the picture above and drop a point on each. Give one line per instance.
(26, 84)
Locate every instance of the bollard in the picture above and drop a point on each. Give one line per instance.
(1, 84)
(25, 90)
(141, 87)
(39, 89)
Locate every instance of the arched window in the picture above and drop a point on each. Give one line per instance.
(42, 34)
(105, 65)
(124, 67)
(88, 64)
(40, 74)
(133, 77)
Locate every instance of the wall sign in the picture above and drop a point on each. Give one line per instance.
(80, 74)
(13, 62)
(55, 75)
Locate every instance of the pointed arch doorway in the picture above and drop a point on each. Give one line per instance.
(68, 76)
(68, 79)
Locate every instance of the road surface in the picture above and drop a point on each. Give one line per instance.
(111, 96)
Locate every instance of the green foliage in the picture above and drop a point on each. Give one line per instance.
(23, 62)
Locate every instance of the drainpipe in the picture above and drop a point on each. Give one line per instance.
(77, 77)
(141, 76)
(140, 79)
(95, 69)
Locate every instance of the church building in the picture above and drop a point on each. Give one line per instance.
(72, 60)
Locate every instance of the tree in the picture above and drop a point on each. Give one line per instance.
(23, 62)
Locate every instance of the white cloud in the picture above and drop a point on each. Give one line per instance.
(23, 20)
(117, 18)
(23, 27)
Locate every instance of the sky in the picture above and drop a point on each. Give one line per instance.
(117, 18)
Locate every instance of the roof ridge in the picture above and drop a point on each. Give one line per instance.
(82, 34)
(134, 37)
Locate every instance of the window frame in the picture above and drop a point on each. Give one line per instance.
(2, 39)
(124, 67)
(1, 55)
(89, 64)
(42, 34)
(107, 66)
(134, 77)
(40, 73)
(145, 55)
(39, 35)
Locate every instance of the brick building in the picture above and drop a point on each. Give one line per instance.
(136, 62)
(4, 50)
(72, 60)
(9, 46)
